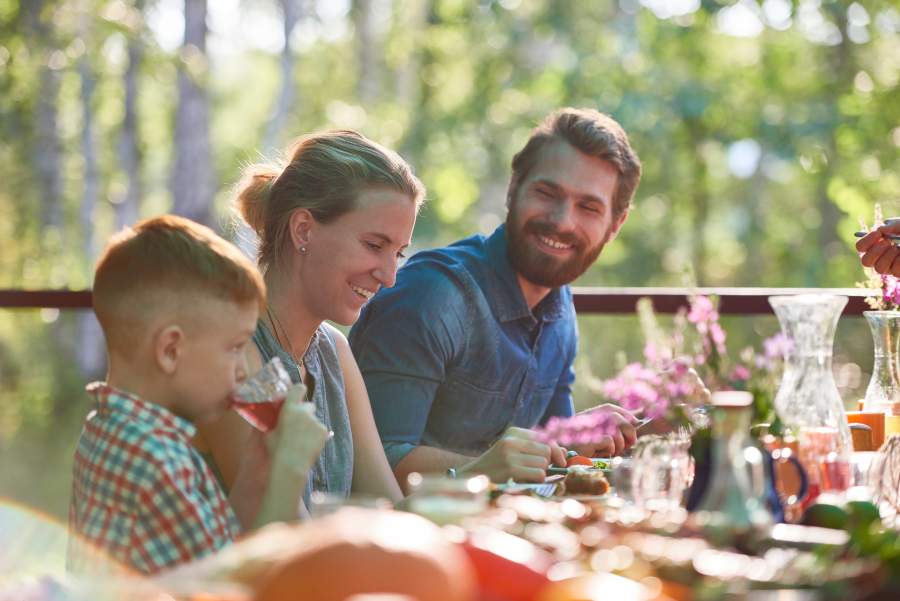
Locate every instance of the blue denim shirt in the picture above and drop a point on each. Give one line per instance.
(452, 355)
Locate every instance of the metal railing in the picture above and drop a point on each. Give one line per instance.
(588, 300)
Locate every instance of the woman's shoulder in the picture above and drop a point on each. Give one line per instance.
(338, 344)
(333, 338)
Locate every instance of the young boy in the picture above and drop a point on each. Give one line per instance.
(177, 305)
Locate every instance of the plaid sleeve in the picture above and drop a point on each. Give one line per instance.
(183, 514)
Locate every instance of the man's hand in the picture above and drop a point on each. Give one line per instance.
(517, 455)
(700, 393)
(607, 445)
(878, 251)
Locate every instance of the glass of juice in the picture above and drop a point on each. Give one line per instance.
(873, 419)
(891, 419)
(259, 398)
(825, 461)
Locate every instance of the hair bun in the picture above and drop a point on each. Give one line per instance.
(253, 194)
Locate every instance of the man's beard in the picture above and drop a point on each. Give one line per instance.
(541, 268)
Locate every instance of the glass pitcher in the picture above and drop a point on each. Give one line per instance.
(808, 396)
(734, 502)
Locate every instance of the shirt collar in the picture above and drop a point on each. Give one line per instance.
(506, 294)
(111, 400)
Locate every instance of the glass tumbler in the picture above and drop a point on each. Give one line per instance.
(259, 398)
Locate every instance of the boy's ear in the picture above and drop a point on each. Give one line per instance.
(301, 224)
(167, 348)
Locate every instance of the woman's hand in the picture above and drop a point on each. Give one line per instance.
(878, 251)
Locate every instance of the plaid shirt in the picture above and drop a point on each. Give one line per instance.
(140, 492)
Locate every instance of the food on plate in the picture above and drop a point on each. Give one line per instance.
(579, 460)
(580, 481)
(602, 463)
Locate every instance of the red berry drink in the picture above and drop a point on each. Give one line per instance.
(262, 415)
(259, 399)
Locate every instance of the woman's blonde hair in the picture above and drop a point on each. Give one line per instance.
(324, 174)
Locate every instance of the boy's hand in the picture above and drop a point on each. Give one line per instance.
(293, 447)
(299, 437)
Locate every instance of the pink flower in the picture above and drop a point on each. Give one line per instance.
(718, 337)
(702, 311)
(740, 373)
(583, 428)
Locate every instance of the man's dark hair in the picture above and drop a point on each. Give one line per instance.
(592, 133)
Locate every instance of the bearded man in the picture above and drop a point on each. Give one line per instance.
(475, 343)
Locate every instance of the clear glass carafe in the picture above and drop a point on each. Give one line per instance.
(884, 386)
(808, 397)
(734, 501)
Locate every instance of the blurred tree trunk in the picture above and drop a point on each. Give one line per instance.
(367, 52)
(416, 92)
(754, 267)
(193, 180)
(291, 11)
(127, 208)
(412, 22)
(835, 86)
(88, 345)
(47, 147)
(699, 191)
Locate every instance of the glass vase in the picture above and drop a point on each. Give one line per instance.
(807, 397)
(884, 386)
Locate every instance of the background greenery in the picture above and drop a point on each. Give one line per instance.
(767, 129)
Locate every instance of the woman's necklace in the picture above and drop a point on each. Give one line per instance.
(277, 325)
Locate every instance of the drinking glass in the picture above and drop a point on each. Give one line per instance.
(825, 459)
(324, 503)
(259, 398)
(860, 463)
(446, 500)
(620, 478)
(873, 419)
(661, 471)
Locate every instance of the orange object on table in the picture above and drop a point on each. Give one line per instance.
(579, 460)
(873, 419)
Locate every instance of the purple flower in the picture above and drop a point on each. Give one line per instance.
(890, 290)
(778, 346)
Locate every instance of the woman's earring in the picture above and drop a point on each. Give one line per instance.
(301, 249)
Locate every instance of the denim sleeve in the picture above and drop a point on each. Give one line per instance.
(561, 404)
(403, 342)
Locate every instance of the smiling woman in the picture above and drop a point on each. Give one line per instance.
(333, 224)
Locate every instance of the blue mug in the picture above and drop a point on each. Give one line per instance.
(777, 461)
